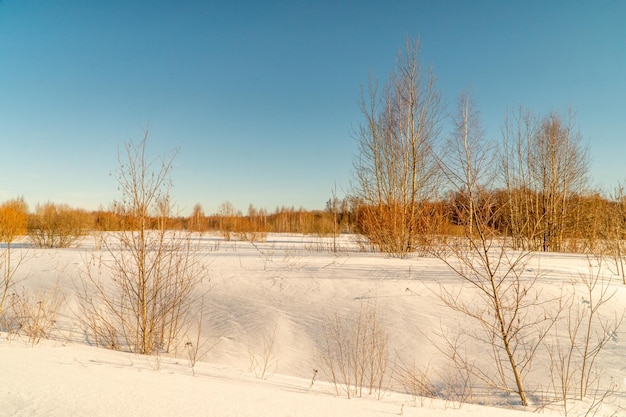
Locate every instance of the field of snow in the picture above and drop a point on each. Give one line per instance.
(265, 309)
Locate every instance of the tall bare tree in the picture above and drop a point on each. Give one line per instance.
(396, 168)
(468, 159)
(545, 165)
(504, 303)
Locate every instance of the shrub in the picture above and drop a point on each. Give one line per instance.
(31, 314)
(57, 226)
(355, 353)
(13, 220)
(137, 292)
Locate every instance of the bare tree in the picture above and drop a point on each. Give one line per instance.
(506, 305)
(615, 228)
(333, 208)
(544, 165)
(229, 217)
(198, 220)
(396, 168)
(137, 293)
(468, 159)
(512, 314)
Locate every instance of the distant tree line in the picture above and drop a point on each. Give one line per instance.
(583, 221)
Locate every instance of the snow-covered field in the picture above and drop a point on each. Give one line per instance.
(266, 304)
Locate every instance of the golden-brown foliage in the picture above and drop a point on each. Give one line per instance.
(57, 225)
(13, 219)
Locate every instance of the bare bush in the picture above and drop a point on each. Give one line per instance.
(251, 235)
(31, 314)
(136, 294)
(266, 359)
(355, 353)
(449, 384)
(197, 348)
(57, 226)
(586, 333)
(417, 383)
(13, 222)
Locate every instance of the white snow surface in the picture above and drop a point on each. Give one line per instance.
(287, 286)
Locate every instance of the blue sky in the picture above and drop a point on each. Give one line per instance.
(262, 97)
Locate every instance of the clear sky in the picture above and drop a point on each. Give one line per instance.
(262, 96)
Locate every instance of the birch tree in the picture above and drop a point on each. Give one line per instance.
(396, 169)
(545, 164)
(468, 159)
(506, 305)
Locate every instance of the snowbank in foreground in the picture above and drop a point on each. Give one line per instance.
(284, 289)
(53, 380)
